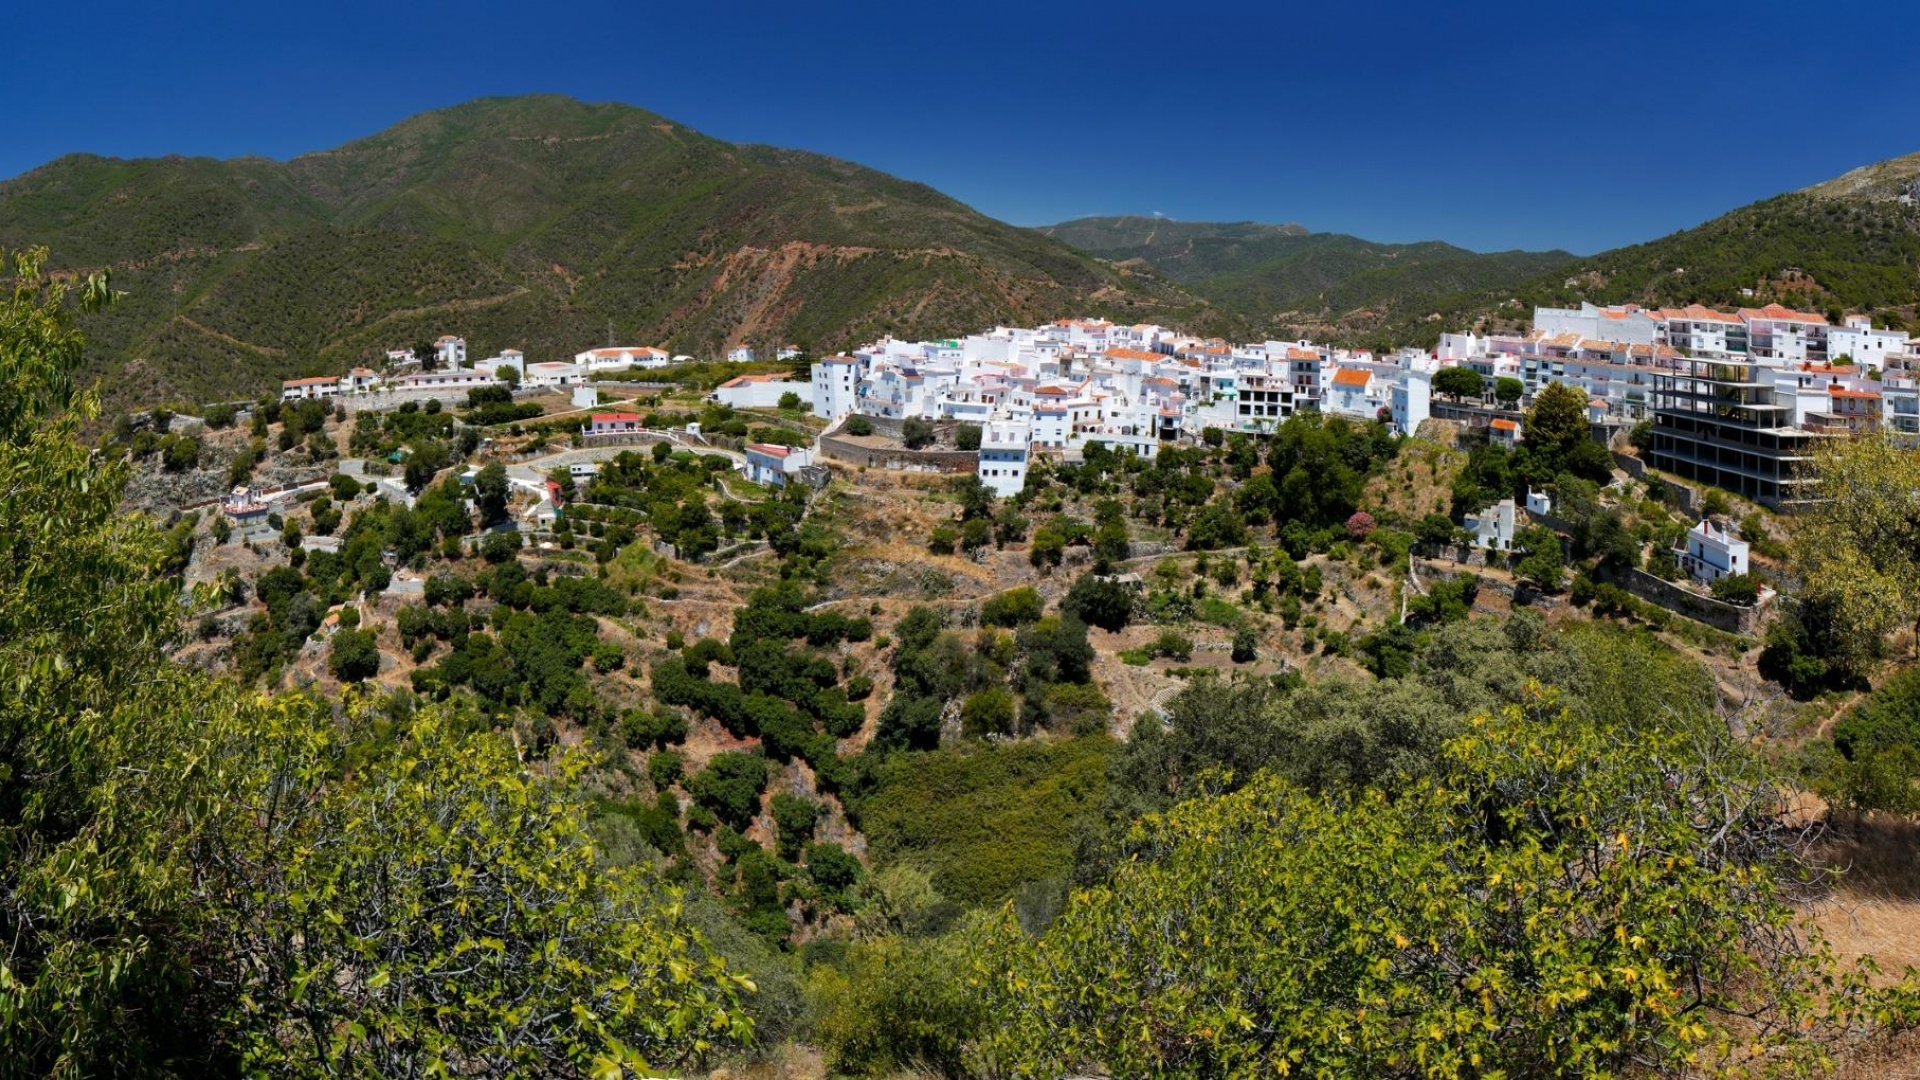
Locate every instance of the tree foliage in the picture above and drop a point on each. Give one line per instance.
(1561, 898)
(1858, 550)
(199, 880)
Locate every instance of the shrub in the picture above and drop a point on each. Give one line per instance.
(730, 787)
(967, 437)
(858, 425)
(916, 433)
(1173, 645)
(354, 657)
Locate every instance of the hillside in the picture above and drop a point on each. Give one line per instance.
(1848, 244)
(1288, 280)
(537, 223)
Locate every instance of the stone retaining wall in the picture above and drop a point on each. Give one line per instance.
(1718, 614)
(848, 452)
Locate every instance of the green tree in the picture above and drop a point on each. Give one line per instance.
(858, 425)
(1858, 550)
(1015, 607)
(1459, 382)
(967, 437)
(730, 787)
(1245, 646)
(1558, 420)
(199, 880)
(490, 494)
(1392, 932)
(916, 433)
(790, 400)
(1545, 563)
(1508, 390)
(353, 657)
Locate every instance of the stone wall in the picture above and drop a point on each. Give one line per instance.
(1718, 614)
(848, 452)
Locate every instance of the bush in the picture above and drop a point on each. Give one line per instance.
(794, 817)
(1015, 607)
(1099, 602)
(730, 787)
(1245, 646)
(1739, 589)
(1173, 645)
(858, 425)
(665, 768)
(916, 433)
(989, 712)
(967, 437)
(355, 657)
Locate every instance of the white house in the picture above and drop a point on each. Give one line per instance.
(760, 391)
(1714, 552)
(452, 351)
(836, 383)
(319, 386)
(1504, 433)
(775, 465)
(741, 355)
(1350, 393)
(621, 358)
(1493, 528)
(1411, 400)
(613, 423)
(552, 373)
(508, 359)
(1865, 346)
(1005, 449)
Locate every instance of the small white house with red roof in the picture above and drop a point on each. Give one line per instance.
(613, 423)
(1504, 433)
(774, 465)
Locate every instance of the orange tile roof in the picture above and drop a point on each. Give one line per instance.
(1133, 354)
(1506, 425)
(1294, 352)
(615, 417)
(1782, 314)
(314, 380)
(1697, 313)
(1351, 377)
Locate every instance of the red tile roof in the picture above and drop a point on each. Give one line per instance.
(616, 417)
(1351, 377)
(1782, 314)
(769, 449)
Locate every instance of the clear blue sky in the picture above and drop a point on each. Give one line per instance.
(1490, 124)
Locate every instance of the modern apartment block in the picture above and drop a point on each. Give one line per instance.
(1716, 421)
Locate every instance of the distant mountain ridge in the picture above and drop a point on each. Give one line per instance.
(1287, 279)
(538, 223)
(1850, 244)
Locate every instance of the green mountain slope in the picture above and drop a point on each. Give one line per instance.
(533, 223)
(1850, 244)
(1286, 279)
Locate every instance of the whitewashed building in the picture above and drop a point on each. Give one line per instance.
(1713, 552)
(1006, 449)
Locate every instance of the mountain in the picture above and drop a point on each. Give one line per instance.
(1289, 280)
(540, 223)
(1851, 244)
